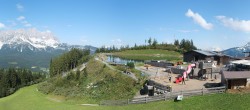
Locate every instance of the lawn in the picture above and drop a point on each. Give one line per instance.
(150, 54)
(28, 98)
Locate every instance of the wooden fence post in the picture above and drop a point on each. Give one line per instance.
(202, 91)
(165, 96)
(171, 94)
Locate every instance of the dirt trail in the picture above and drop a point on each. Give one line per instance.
(132, 75)
(81, 67)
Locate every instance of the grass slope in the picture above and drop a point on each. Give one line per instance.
(97, 82)
(28, 98)
(150, 54)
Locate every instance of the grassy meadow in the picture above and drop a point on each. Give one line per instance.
(28, 98)
(150, 54)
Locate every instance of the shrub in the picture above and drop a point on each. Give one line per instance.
(131, 64)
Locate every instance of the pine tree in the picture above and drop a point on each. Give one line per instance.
(154, 43)
(176, 43)
(149, 41)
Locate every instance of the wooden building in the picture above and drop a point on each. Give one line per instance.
(200, 55)
(235, 79)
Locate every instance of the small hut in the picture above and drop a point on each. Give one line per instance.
(236, 79)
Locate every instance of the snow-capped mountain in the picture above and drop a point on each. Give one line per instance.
(31, 48)
(34, 40)
(32, 37)
(238, 51)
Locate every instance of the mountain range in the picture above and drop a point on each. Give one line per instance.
(238, 51)
(33, 49)
(30, 48)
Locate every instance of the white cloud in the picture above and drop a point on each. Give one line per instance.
(27, 25)
(48, 31)
(216, 49)
(84, 40)
(11, 23)
(19, 7)
(213, 48)
(116, 42)
(238, 25)
(24, 22)
(199, 19)
(20, 18)
(2, 25)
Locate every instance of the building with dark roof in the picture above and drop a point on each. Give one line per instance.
(235, 79)
(200, 55)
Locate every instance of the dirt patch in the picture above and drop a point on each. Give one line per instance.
(56, 98)
(160, 75)
(239, 91)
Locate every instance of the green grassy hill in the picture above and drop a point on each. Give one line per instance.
(95, 83)
(150, 54)
(28, 98)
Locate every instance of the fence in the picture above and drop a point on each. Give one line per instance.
(159, 86)
(196, 70)
(177, 70)
(168, 96)
(163, 64)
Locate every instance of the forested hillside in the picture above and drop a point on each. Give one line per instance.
(12, 79)
(68, 61)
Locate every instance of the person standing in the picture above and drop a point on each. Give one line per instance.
(183, 80)
(169, 78)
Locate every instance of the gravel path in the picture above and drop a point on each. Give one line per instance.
(159, 75)
(132, 75)
(81, 67)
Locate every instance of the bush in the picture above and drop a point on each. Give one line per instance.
(46, 87)
(131, 64)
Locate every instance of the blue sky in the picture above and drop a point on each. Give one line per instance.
(212, 24)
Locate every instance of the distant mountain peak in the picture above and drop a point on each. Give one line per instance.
(32, 37)
(30, 48)
(247, 45)
(238, 51)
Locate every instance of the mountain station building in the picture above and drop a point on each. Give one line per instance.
(201, 55)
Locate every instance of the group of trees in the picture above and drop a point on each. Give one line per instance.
(12, 79)
(185, 44)
(179, 46)
(110, 49)
(68, 61)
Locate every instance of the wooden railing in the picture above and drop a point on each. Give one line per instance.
(168, 96)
